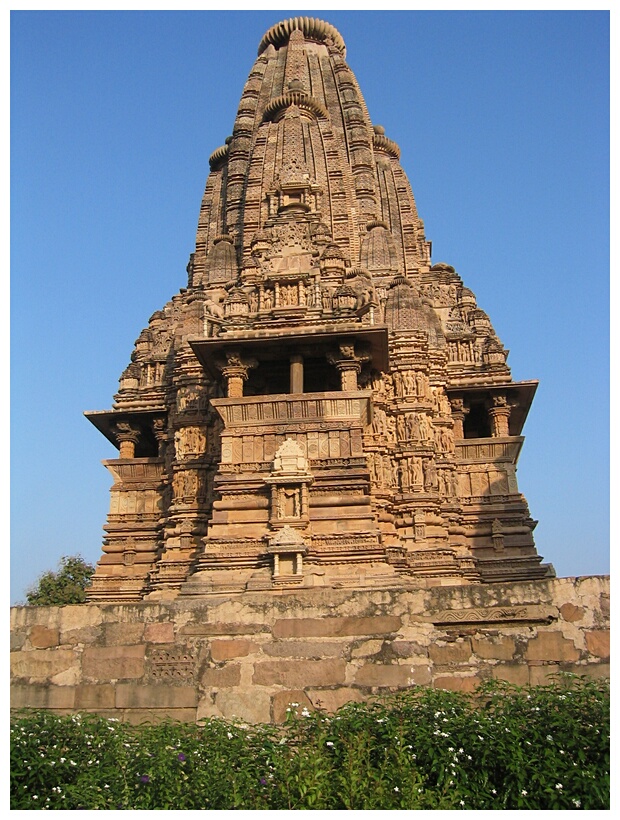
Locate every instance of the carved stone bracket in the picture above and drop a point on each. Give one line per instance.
(235, 370)
(499, 415)
(127, 436)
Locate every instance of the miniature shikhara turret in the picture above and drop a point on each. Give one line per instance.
(321, 405)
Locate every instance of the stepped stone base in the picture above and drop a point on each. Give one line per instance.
(250, 655)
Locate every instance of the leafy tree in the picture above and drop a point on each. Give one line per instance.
(66, 586)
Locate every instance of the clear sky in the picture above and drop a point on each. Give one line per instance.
(503, 123)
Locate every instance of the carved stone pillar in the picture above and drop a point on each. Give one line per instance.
(459, 411)
(297, 374)
(348, 364)
(127, 436)
(159, 431)
(499, 415)
(235, 371)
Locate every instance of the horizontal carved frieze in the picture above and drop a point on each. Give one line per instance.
(525, 612)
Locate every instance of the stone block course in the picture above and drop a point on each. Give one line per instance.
(113, 662)
(551, 646)
(305, 649)
(597, 642)
(41, 663)
(335, 627)
(451, 653)
(159, 633)
(384, 675)
(180, 668)
(224, 676)
(41, 637)
(299, 673)
(225, 650)
(165, 696)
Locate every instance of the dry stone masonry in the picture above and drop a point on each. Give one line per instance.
(321, 406)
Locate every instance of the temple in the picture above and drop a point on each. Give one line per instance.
(321, 406)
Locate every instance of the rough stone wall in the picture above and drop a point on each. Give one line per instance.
(250, 655)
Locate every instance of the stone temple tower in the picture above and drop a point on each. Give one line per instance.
(321, 405)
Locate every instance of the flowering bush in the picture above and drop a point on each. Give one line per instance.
(503, 748)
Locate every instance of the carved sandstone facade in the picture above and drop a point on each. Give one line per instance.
(321, 405)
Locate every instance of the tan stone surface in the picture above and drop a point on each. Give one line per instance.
(113, 662)
(165, 696)
(551, 646)
(457, 652)
(123, 634)
(251, 705)
(42, 638)
(332, 699)
(305, 649)
(229, 675)
(42, 663)
(542, 675)
(597, 642)
(500, 648)
(281, 704)
(457, 684)
(335, 627)
(571, 613)
(375, 674)
(95, 696)
(178, 678)
(42, 697)
(159, 633)
(225, 650)
(299, 674)
(518, 674)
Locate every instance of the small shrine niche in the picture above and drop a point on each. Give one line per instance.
(287, 549)
(289, 480)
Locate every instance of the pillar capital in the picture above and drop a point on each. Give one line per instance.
(127, 435)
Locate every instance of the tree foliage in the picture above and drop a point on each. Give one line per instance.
(65, 586)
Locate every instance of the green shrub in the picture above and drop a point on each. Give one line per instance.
(503, 748)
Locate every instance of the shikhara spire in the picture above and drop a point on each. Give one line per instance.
(320, 405)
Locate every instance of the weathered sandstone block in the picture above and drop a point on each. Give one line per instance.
(113, 662)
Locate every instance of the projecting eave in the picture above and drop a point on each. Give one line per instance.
(519, 395)
(268, 346)
(104, 420)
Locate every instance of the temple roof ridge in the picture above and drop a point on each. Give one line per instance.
(311, 27)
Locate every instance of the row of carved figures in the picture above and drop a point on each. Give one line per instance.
(411, 427)
(411, 473)
(292, 295)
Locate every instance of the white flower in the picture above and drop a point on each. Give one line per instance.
(577, 803)
(329, 743)
(549, 738)
(559, 786)
(396, 789)
(523, 792)
(493, 791)
(450, 748)
(229, 735)
(461, 751)
(461, 802)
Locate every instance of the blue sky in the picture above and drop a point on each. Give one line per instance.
(503, 123)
